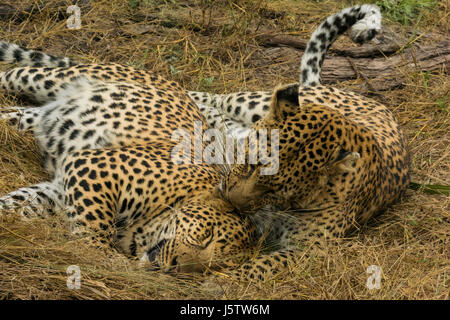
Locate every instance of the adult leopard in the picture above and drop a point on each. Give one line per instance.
(108, 147)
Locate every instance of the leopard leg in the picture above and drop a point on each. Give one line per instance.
(38, 200)
(267, 266)
(299, 235)
(91, 216)
(239, 109)
(22, 118)
(91, 220)
(92, 194)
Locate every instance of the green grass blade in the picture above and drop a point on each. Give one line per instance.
(430, 188)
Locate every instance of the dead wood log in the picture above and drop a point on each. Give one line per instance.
(377, 64)
(388, 44)
(384, 73)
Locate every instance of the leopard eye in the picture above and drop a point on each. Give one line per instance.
(200, 241)
(207, 233)
(342, 154)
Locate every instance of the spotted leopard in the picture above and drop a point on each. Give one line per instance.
(106, 142)
(342, 160)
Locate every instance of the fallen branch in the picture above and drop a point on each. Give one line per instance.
(386, 72)
(388, 45)
(382, 66)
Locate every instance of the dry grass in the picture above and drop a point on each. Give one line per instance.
(214, 48)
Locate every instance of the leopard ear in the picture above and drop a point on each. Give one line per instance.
(284, 101)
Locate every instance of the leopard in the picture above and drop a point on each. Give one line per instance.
(107, 145)
(104, 132)
(343, 159)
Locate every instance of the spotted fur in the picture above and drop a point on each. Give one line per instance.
(105, 134)
(342, 160)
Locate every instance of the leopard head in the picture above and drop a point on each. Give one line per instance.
(313, 146)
